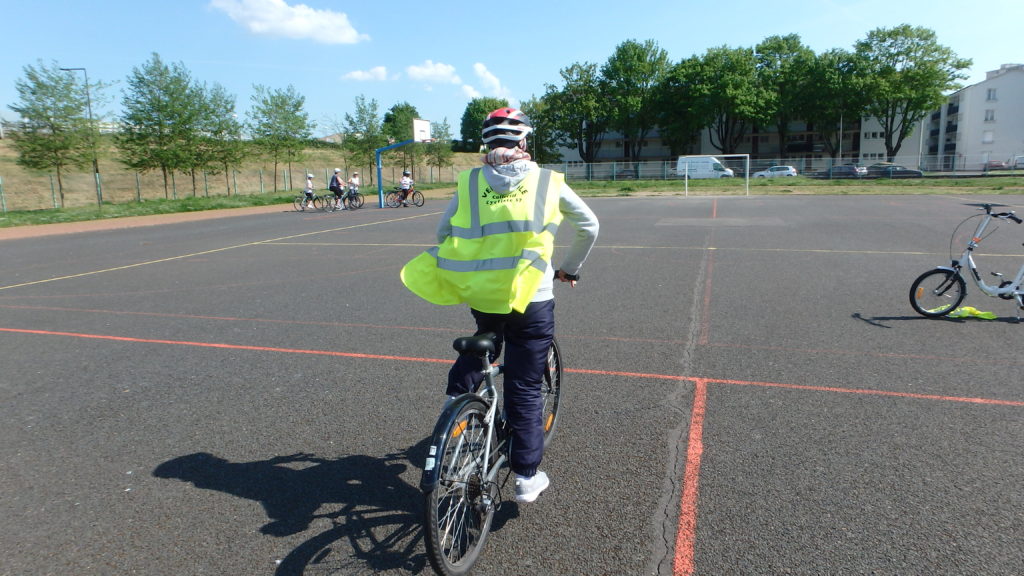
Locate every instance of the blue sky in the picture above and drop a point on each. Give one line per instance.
(438, 55)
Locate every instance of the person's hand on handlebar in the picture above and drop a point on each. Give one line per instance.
(566, 277)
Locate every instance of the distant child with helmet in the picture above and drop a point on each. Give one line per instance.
(407, 185)
(353, 186)
(507, 276)
(309, 191)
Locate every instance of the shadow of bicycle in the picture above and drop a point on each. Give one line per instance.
(364, 498)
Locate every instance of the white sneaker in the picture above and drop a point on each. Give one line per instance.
(528, 489)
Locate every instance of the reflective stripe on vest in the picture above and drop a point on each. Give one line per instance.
(520, 245)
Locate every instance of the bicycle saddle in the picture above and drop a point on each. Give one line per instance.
(478, 345)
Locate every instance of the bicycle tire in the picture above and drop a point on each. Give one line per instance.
(551, 391)
(391, 200)
(318, 202)
(460, 505)
(937, 292)
(417, 198)
(299, 203)
(357, 200)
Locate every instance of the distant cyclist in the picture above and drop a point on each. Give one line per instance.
(338, 188)
(309, 190)
(407, 186)
(353, 187)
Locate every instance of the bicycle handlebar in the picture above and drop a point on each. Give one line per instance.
(1009, 216)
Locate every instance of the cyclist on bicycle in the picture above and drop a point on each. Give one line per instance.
(484, 222)
(407, 186)
(337, 187)
(353, 186)
(309, 191)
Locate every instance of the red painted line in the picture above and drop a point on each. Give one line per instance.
(686, 536)
(226, 346)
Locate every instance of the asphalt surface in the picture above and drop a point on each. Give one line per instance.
(749, 393)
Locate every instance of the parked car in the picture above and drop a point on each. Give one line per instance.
(775, 171)
(996, 165)
(889, 170)
(844, 171)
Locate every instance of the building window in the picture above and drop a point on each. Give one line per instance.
(991, 94)
(988, 137)
(990, 115)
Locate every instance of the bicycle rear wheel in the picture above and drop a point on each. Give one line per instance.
(356, 201)
(460, 505)
(937, 292)
(318, 202)
(551, 391)
(392, 200)
(299, 204)
(417, 198)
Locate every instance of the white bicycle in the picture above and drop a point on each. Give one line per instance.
(940, 291)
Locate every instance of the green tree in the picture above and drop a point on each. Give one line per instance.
(160, 121)
(543, 142)
(279, 125)
(726, 94)
(628, 80)
(834, 95)
(222, 148)
(439, 153)
(364, 133)
(783, 63)
(54, 131)
(681, 115)
(397, 126)
(577, 113)
(906, 74)
(473, 118)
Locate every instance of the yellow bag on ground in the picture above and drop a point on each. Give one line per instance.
(971, 312)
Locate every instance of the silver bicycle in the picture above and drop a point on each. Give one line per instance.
(468, 449)
(940, 291)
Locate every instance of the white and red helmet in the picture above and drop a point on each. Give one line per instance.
(506, 127)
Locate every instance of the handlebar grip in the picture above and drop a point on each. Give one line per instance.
(1016, 218)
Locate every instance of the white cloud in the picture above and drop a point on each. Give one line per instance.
(470, 92)
(278, 18)
(377, 73)
(435, 72)
(491, 85)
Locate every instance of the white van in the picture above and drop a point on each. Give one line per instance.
(695, 167)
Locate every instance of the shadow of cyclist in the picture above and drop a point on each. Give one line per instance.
(363, 497)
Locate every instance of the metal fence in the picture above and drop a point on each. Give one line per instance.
(939, 166)
(20, 191)
(34, 192)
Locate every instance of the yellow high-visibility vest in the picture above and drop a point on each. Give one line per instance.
(499, 248)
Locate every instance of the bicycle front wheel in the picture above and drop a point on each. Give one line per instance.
(417, 198)
(318, 203)
(937, 292)
(356, 201)
(460, 505)
(551, 391)
(392, 200)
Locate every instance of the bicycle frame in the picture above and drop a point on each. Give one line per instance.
(1007, 290)
(488, 393)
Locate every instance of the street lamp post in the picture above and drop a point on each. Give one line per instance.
(92, 137)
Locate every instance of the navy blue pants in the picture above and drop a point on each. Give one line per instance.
(526, 338)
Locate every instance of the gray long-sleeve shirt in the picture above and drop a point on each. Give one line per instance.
(574, 210)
